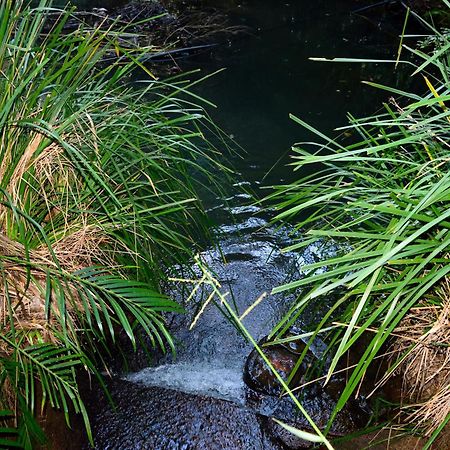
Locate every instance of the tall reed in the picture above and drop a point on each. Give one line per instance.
(384, 200)
(97, 197)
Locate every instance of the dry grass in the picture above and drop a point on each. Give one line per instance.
(424, 336)
(24, 278)
(77, 241)
(44, 163)
(22, 301)
(84, 247)
(430, 414)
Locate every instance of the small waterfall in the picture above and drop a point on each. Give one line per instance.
(195, 378)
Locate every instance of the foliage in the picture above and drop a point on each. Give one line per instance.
(384, 199)
(96, 198)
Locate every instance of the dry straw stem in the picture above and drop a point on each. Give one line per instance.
(24, 277)
(426, 367)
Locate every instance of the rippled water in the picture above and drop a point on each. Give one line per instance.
(248, 263)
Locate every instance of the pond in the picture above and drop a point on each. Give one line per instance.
(268, 75)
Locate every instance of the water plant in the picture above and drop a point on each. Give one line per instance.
(384, 199)
(96, 199)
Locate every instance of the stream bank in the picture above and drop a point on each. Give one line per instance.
(149, 414)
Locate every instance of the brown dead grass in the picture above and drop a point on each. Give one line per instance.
(23, 286)
(424, 336)
(77, 241)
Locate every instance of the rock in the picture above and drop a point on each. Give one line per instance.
(264, 393)
(163, 419)
(258, 375)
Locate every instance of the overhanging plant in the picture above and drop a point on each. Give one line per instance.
(96, 199)
(385, 199)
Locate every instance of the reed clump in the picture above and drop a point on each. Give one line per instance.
(97, 198)
(383, 199)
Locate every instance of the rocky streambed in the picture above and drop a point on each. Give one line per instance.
(217, 393)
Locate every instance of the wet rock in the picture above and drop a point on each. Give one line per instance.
(258, 375)
(163, 419)
(264, 393)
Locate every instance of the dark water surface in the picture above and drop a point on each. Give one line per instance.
(198, 400)
(268, 74)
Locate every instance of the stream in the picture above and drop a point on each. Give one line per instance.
(199, 400)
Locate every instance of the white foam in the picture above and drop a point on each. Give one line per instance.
(195, 378)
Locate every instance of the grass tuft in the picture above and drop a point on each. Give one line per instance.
(98, 196)
(382, 197)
